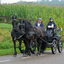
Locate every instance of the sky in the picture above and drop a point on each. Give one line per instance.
(14, 1)
(9, 1)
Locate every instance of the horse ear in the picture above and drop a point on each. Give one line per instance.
(23, 20)
(15, 17)
(12, 17)
(20, 21)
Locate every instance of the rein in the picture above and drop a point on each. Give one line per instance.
(43, 39)
(19, 37)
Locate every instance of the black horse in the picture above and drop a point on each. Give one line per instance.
(16, 34)
(32, 33)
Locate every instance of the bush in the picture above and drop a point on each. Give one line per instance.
(6, 45)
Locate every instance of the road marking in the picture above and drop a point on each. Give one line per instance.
(4, 61)
(25, 57)
(43, 54)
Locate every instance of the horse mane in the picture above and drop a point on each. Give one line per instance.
(28, 25)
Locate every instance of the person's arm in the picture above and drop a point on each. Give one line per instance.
(35, 24)
(43, 25)
(50, 26)
(55, 25)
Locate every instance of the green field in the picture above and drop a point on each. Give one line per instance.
(28, 12)
(6, 44)
(4, 25)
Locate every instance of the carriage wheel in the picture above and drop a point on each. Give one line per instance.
(60, 46)
(33, 48)
(54, 46)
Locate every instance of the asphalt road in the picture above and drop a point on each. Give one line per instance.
(46, 58)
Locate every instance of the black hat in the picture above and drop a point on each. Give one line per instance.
(51, 18)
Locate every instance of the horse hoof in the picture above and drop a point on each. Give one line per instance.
(22, 51)
(25, 55)
(42, 52)
(33, 52)
(29, 54)
(39, 54)
(36, 54)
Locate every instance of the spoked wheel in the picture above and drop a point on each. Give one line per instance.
(60, 46)
(33, 47)
(54, 46)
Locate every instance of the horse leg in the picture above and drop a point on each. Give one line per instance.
(26, 47)
(43, 47)
(39, 48)
(31, 44)
(20, 47)
(27, 50)
(15, 53)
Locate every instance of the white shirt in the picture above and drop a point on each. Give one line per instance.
(38, 24)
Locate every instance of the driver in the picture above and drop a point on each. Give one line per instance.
(51, 25)
(39, 23)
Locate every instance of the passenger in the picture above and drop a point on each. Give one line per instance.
(51, 25)
(39, 23)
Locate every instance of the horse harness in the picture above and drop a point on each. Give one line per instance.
(22, 26)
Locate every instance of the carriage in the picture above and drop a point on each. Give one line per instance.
(29, 34)
(54, 41)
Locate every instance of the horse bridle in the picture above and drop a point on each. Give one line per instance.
(23, 33)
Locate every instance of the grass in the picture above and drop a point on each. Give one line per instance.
(8, 51)
(11, 51)
(4, 25)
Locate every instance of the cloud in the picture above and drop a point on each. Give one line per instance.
(9, 1)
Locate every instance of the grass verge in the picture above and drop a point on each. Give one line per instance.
(8, 51)
(11, 51)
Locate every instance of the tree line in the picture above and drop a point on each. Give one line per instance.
(51, 0)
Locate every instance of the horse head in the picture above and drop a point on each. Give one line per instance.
(14, 22)
(28, 25)
(22, 27)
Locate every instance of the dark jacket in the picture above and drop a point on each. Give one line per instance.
(50, 24)
(41, 25)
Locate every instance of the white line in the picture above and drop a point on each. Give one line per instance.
(44, 55)
(25, 57)
(4, 61)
